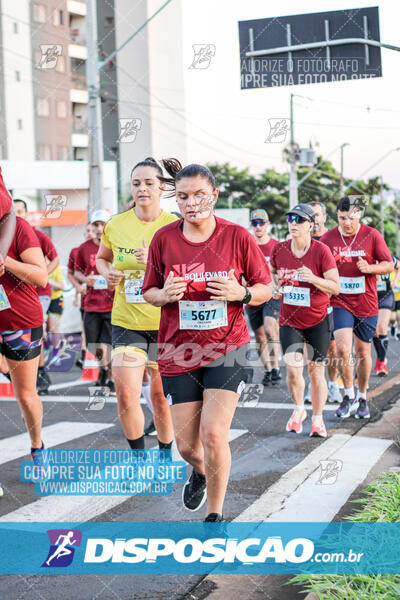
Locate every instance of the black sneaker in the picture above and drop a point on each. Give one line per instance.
(111, 386)
(346, 407)
(214, 518)
(275, 376)
(101, 381)
(42, 382)
(267, 378)
(150, 428)
(194, 492)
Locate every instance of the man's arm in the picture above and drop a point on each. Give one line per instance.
(53, 264)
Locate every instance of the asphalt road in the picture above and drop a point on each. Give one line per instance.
(261, 453)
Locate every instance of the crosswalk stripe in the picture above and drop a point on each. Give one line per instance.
(358, 455)
(293, 496)
(18, 446)
(67, 508)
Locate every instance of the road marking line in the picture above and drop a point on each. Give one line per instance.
(320, 503)
(18, 446)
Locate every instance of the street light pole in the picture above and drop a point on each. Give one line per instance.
(341, 168)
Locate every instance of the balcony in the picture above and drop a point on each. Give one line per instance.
(78, 81)
(77, 47)
(79, 136)
(75, 7)
(79, 124)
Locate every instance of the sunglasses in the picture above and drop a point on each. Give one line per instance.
(260, 223)
(296, 219)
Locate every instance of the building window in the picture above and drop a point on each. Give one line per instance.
(62, 153)
(58, 17)
(19, 124)
(60, 65)
(61, 109)
(17, 76)
(15, 27)
(39, 13)
(109, 21)
(43, 107)
(44, 152)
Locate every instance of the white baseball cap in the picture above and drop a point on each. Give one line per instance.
(100, 215)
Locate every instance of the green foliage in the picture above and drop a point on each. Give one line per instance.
(270, 190)
(382, 503)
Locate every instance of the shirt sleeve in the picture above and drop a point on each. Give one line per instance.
(154, 275)
(72, 260)
(327, 260)
(256, 269)
(380, 249)
(105, 237)
(5, 198)
(25, 236)
(79, 261)
(272, 260)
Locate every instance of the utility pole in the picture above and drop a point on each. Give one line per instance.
(341, 169)
(293, 191)
(396, 219)
(95, 132)
(382, 225)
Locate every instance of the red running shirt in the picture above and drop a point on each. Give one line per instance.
(49, 252)
(5, 198)
(98, 301)
(267, 248)
(26, 310)
(308, 304)
(368, 244)
(72, 267)
(229, 247)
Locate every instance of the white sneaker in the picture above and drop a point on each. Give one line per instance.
(307, 394)
(334, 394)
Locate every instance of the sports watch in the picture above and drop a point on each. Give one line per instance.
(247, 297)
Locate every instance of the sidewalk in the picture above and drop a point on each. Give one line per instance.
(273, 587)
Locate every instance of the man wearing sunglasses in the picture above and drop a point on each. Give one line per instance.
(305, 273)
(334, 394)
(361, 254)
(264, 319)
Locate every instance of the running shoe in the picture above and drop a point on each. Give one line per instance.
(214, 518)
(102, 378)
(39, 458)
(334, 394)
(346, 407)
(376, 367)
(362, 410)
(392, 330)
(307, 395)
(111, 386)
(1, 491)
(194, 492)
(150, 428)
(275, 376)
(382, 371)
(295, 422)
(267, 378)
(42, 382)
(398, 336)
(318, 428)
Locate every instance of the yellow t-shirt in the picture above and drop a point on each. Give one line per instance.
(397, 288)
(56, 275)
(122, 234)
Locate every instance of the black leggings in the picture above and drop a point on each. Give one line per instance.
(317, 339)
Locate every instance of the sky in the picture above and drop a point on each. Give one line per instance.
(225, 123)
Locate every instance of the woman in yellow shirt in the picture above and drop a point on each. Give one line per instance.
(122, 259)
(56, 307)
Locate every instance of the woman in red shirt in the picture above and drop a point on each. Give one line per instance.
(306, 274)
(21, 325)
(193, 272)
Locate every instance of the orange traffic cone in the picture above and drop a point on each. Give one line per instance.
(91, 365)
(6, 388)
